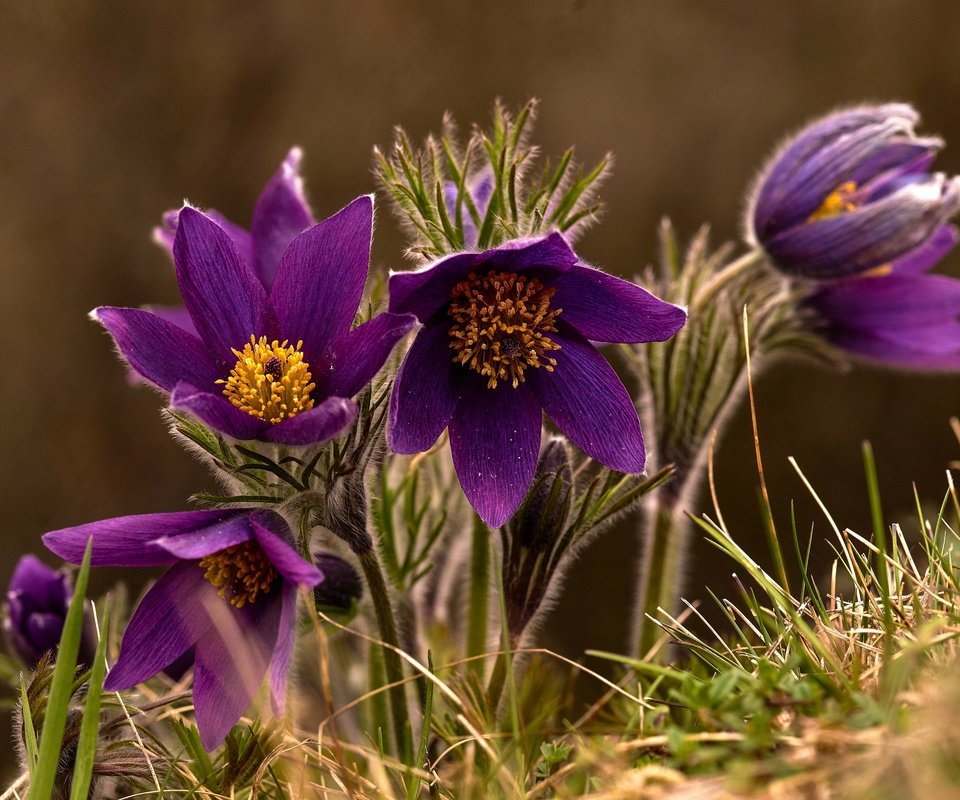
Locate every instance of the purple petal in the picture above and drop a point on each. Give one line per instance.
(890, 302)
(272, 534)
(609, 309)
(495, 441)
(43, 630)
(425, 392)
(170, 619)
(821, 157)
(928, 254)
(231, 662)
(283, 650)
(129, 541)
(216, 411)
(160, 351)
(166, 233)
(226, 302)
(177, 315)
(321, 423)
(43, 585)
(426, 291)
(320, 278)
(281, 213)
(935, 347)
(231, 529)
(586, 400)
(355, 357)
(871, 236)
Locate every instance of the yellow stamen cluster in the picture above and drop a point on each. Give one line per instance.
(500, 322)
(270, 380)
(241, 573)
(839, 201)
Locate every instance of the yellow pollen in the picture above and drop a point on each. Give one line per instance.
(500, 322)
(241, 573)
(839, 201)
(270, 381)
(877, 272)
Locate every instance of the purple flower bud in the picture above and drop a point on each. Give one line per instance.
(37, 601)
(851, 192)
(341, 588)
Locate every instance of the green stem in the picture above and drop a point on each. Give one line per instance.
(729, 273)
(664, 548)
(478, 609)
(391, 659)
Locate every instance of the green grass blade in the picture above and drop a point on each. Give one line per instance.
(61, 688)
(29, 733)
(90, 725)
(413, 788)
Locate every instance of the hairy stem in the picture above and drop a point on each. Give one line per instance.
(478, 609)
(387, 625)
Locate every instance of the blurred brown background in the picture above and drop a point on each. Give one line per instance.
(111, 112)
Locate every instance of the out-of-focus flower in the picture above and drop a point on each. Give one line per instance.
(278, 363)
(341, 589)
(506, 335)
(898, 315)
(37, 601)
(230, 592)
(477, 192)
(850, 193)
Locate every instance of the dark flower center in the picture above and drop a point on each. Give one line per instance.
(241, 573)
(500, 322)
(270, 380)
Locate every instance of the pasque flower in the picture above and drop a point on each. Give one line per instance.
(851, 192)
(230, 592)
(506, 335)
(899, 314)
(37, 601)
(271, 355)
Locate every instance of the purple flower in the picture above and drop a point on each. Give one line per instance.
(898, 314)
(272, 356)
(849, 193)
(37, 601)
(341, 589)
(230, 592)
(506, 335)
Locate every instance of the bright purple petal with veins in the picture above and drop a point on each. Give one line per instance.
(232, 529)
(281, 213)
(169, 620)
(586, 400)
(495, 441)
(231, 662)
(279, 668)
(166, 233)
(177, 315)
(225, 300)
(609, 309)
(426, 291)
(320, 278)
(355, 357)
(129, 541)
(929, 254)
(271, 531)
(216, 411)
(160, 351)
(425, 392)
(322, 422)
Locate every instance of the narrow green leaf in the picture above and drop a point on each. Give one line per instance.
(29, 733)
(55, 719)
(90, 725)
(413, 788)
